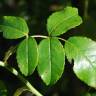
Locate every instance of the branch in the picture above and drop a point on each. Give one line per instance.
(27, 83)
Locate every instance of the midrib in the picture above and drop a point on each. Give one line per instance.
(50, 59)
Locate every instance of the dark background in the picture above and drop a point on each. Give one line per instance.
(36, 13)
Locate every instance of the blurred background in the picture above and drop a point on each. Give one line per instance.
(36, 12)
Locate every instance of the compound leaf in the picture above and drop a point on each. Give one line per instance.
(51, 60)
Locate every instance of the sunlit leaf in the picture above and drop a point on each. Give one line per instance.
(83, 51)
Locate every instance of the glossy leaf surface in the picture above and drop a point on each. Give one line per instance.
(51, 60)
(83, 51)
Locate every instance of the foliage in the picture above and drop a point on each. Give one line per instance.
(27, 56)
(49, 55)
(60, 22)
(11, 24)
(51, 61)
(83, 51)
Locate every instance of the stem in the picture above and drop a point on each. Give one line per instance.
(41, 36)
(15, 72)
(68, 42)
(62, 39)
(86, 9)
(27, 83)
(11, 50)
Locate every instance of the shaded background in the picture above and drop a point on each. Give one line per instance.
(36, 13)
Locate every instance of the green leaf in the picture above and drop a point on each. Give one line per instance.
(83, 51)
(3, 89)
(51, 60)
(62, 21)
(27, 56)
(13, 27)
